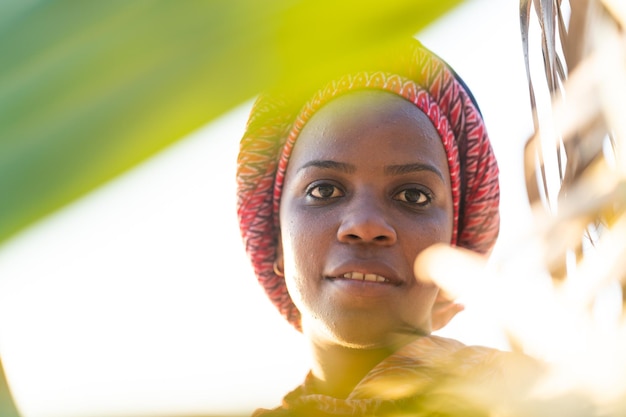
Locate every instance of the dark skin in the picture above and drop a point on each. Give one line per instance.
(366, 190)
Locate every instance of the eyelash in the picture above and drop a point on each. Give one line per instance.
(422, 194)
(336, 190)
(317, 186)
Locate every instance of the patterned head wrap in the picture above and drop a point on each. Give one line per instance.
(420, 77)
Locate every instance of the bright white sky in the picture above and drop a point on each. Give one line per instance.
(139, 300)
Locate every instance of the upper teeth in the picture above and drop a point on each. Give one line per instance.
(364, 277)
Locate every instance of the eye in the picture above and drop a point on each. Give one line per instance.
(414, 196)
(324, 191)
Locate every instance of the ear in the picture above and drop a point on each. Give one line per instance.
(444, 310)
(279, 259)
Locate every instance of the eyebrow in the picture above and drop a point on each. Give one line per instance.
(389, 170)
(328, 164)
(409, 168)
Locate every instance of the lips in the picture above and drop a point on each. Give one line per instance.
(366, 271)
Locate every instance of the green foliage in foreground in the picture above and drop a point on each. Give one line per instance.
(89, 89)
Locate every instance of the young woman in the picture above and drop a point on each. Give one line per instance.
(337, 195)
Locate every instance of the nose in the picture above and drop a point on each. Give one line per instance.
(364, 221)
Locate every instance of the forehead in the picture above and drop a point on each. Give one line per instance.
(370, 124)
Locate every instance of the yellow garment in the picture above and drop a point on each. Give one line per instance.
(430, 376)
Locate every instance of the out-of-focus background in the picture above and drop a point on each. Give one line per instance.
(138, 300)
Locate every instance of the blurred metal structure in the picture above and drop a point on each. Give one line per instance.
(558, 291)
(575, 161)
(575, 172)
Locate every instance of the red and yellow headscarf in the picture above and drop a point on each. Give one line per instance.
(420, 77)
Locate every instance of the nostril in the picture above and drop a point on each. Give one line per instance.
(366, 226)
(355, 237)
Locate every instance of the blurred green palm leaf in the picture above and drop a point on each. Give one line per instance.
(89, 89)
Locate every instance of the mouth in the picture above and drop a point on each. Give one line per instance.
(360, 276)
(364, 278)
(365, 272)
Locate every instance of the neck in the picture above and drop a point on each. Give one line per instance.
(338, 369)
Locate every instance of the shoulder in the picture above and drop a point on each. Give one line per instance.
(275, 412)
(301, 411)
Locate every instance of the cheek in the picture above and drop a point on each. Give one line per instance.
(304, 240)
(305, 231)
(446, 223)
(435, 229)
(301, 254)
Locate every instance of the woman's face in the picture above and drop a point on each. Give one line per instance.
(367, 189)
